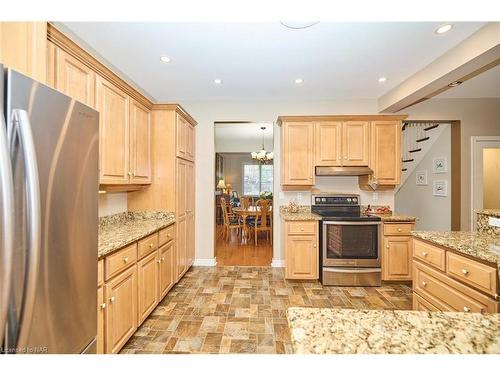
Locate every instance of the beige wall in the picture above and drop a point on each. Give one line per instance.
(477, 117)
(434, 213)
(491, 178)
(233, 170)
(208, 112)
(112, 203)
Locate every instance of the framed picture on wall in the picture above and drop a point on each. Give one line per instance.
(440, 188)
(440, 165)
(421, 177)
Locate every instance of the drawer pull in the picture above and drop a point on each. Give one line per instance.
(103, 306)
(168, 235)
(301, 229)
(386, 246)
(125, 259)
(112, 299)
(158, 261)
(314, 245)
(465, 272)
(151, 245)
(424, 283)
(424, 254)
(162, 259)
(466, 309)
(399, 229)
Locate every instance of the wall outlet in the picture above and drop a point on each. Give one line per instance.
(375, 196)
(494, 221)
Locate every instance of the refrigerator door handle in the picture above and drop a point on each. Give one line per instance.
(21, 122)
(7, 222)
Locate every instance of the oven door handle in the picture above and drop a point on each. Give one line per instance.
(352, 223)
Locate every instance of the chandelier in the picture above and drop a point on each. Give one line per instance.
(262, 156)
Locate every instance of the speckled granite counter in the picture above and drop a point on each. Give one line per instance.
(343, 331)
(397, 218)
(117, 231)
(482, 222)
(476, 245)
(304, 213)
(495, 212)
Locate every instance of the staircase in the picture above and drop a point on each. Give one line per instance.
(417, 140)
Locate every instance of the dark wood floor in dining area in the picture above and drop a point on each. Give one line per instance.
(233, 253)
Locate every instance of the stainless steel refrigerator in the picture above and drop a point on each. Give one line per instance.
(49, 145)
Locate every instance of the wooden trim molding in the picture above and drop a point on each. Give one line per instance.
(177, 108)
(64, 42)
(389, 117)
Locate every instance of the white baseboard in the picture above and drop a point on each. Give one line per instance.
(205, 262)
(278, 263)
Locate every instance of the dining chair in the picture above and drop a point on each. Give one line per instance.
(245, 202)
(263, 221)
(230, 221)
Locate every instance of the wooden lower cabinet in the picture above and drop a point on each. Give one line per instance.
(101, 308)
(181, 247)
(121, 314)
(166, 255)
(397, 251)
(301, 252)
(420, 304)
(147, 285)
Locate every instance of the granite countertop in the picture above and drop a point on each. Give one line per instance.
(396, 218)
(347, 331)
(489, 212)
(480, 246)
(117, 231)
(304, 213)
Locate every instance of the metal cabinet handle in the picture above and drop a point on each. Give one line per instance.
(424, 283)
(464, 271)
(162, 259)
(125, 259)
(466, 309)
(301, 229)
(103, 306)
(314, 245)
(151, 245)
(23, 127)
(386, 246)
(133, 174)
(158, 261)
(399, 229)
(129, 174)
(112, 299)
(424, 254)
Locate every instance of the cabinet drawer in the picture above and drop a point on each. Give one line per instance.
(302, 227)
(100, 272)
(476, 274)
(429, 254)
(421, 304)
(147, 245)
(166, 235)
(120, 260)
(394, 229)
(447, 294)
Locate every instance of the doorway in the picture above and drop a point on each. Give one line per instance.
(485, 174)
(244, 175)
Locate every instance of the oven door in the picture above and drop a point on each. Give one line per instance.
(351, 243)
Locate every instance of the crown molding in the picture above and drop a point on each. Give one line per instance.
(177, 108)
(380, 117)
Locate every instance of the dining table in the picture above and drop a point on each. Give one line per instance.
(245, 212)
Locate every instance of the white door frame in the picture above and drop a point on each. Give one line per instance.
(476, 171)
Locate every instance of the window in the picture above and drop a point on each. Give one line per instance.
(257, 178)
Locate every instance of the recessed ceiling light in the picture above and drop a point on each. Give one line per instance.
(299, 80)
(455, 84)
(165, 59)
(382, 79)
(444, 29)
(217, 81)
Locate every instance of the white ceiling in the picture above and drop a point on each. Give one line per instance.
(484, 85)
(262, 60)
(246, 137)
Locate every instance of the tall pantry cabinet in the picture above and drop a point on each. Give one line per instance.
(173, 179)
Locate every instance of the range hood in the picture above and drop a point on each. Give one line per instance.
(343, 171)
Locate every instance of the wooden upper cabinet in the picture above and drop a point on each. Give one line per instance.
(190, 149)
(185, 136)
(140, 143)
(297, 153)
(328, 143)
(355, 143)
(74, 78)
(386, 152)
(113, 106)
(23, 47)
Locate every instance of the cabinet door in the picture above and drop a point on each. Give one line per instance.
(297, 164)
(147, 285)
(386, 152)
(114, 135)
(167, 268)
(328, 136)
(181, 187)
(190, 140)
(181, 136)
(190, 202)
(23, 47)
(190, 240)
(74, 78)
(181, 261)
(397, 261)
(121, 317)
(355, 145)
(101, 308)
(140, 144)
(301, 257)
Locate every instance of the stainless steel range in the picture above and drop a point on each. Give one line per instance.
(350, 242)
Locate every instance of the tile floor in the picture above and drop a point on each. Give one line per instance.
(243, 310)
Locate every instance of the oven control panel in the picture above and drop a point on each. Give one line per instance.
(335, 200)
